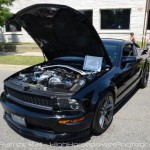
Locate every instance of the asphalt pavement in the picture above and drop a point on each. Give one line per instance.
(130, 128)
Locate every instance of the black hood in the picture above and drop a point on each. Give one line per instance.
(60, 30)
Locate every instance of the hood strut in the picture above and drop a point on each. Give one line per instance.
(44, 56)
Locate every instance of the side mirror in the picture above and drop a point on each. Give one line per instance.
(145, 51)
(129, 59)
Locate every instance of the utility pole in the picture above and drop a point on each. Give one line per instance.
(147, 8)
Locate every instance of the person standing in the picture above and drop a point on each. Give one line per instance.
(132, 37)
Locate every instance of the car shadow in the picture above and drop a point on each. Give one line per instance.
(85, 139)
(60, 143)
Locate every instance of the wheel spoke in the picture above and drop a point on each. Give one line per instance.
(110, 113)
(109, 107)
(106, 102)
(106, 112)
(101, 121)
(106, 120)
(147, 73)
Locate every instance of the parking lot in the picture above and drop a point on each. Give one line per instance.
(130, 128)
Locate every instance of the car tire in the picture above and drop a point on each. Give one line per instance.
(145, 76)
(103, 114)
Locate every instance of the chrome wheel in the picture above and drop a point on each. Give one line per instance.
(103, 114)
(144, 80)
(146, 75)
(106, 112)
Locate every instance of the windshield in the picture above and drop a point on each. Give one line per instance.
(70, 58)
(74, 61)
(112, 49)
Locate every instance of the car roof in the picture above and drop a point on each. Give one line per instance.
(118, 41)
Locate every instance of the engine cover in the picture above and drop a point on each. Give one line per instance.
(48, 77)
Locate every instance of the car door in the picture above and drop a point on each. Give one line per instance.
(127, 72)
(139, 62)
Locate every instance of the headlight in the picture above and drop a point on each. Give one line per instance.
(70, 104)
(74, 104)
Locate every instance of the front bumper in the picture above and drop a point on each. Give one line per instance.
(44, 125)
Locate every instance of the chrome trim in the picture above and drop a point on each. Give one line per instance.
(28, 104)
(72, 68)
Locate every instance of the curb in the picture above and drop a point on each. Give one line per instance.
(14, 67)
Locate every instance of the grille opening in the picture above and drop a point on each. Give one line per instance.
(30, 98)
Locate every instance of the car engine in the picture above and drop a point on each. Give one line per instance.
(54, 77)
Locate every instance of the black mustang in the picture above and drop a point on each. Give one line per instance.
(84, 78)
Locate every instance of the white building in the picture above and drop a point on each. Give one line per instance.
(111, 18)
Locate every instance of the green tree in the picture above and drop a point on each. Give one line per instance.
(5, 11)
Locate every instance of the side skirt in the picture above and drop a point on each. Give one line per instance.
(125, 94)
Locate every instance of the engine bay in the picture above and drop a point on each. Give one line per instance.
(46, 78)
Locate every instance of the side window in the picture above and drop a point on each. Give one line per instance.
(136, 50)
(128, 50)
(117, 19)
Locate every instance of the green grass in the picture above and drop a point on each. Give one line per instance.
(20, 60)
(15, 43)
(140, 44)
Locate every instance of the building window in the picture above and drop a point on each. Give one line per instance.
(115, 19)
(12, 26)
(88, 13)
(148, 27)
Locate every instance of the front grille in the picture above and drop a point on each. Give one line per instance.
(30, 98)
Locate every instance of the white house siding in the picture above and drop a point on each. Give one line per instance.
(136, 18)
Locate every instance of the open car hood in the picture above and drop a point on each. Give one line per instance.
(60, 30)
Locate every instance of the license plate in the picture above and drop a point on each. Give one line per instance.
(18, 119)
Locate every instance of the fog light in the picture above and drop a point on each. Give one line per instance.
(71, 121)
